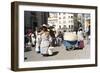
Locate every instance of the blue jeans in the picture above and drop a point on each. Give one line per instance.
(69, 44)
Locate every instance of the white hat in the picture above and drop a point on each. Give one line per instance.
(44, 25)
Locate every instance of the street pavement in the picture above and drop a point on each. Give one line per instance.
(60, 53)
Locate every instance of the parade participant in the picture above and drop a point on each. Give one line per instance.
(53, 38)
(44, 46)
(59, 38)
(38, 40)
(27, 42)
(80, 38)
(33, 39)
(70, 40)
(80, 34)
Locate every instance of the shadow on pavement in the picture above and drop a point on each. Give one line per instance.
(27, 49)
(55, 53)
(78, 49)
(70, 49)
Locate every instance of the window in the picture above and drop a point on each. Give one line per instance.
(69, 26)
(59, 17)
(71, 16)
(64, 26)
(68, 16)
(59, 27)
(64, 17)
(72, 27)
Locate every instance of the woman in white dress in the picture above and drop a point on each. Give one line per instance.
(44, 46)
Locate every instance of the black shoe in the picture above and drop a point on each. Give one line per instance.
(45, 55)
(38, 51)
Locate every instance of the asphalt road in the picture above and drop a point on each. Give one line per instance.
(60, 53)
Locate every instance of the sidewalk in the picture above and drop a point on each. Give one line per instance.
(60, 53)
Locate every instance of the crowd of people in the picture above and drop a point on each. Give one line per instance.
(44, 39)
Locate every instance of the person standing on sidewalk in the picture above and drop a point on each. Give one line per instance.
(38, 40)
(44, 46)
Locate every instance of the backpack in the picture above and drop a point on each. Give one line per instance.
(81, 44)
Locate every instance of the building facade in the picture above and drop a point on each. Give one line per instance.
(33, 19)
(84, 19)
(61, 20)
